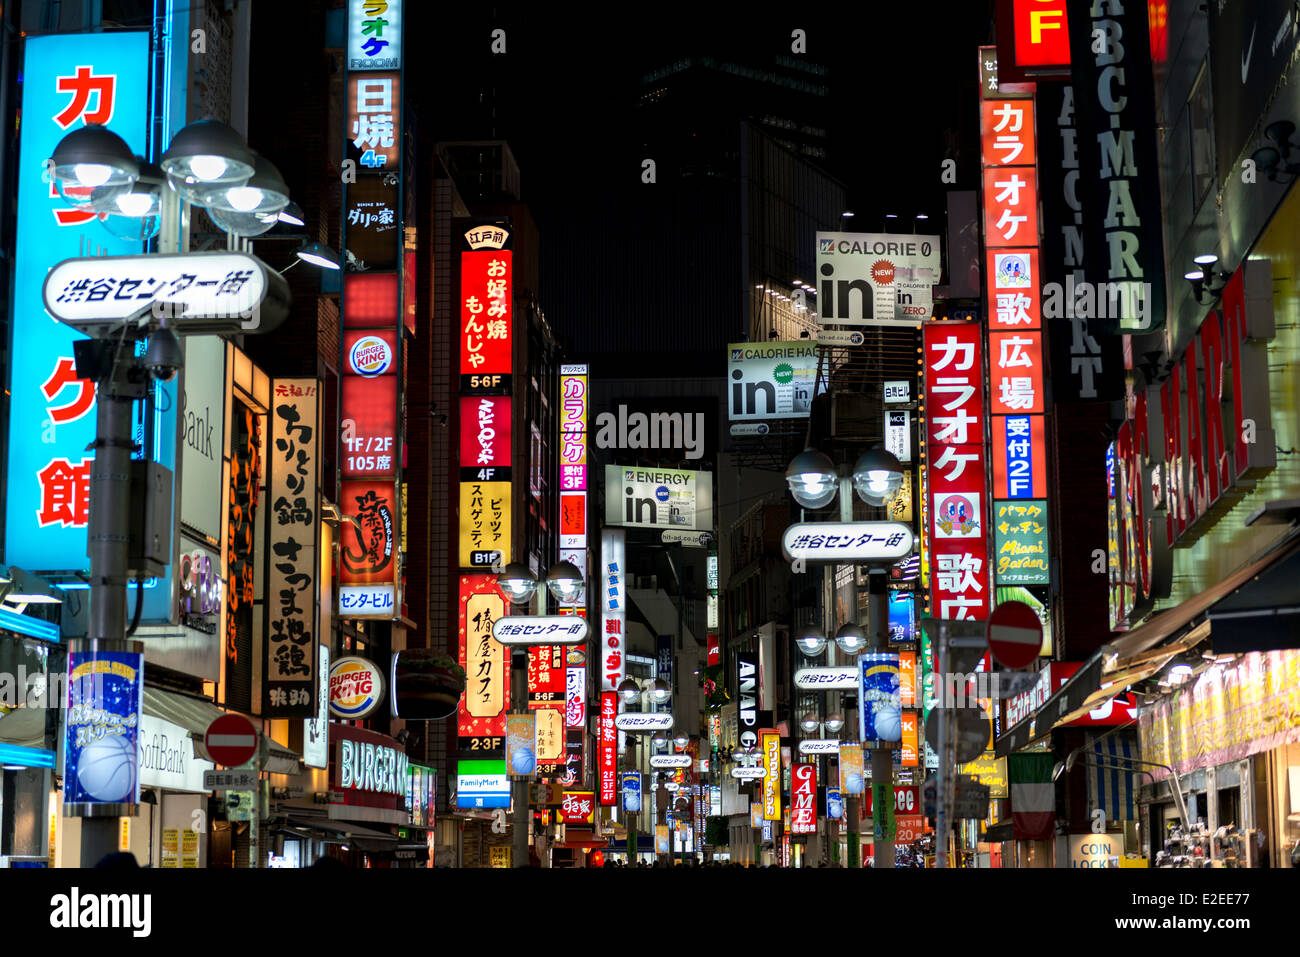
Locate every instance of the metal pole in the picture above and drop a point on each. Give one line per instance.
(882, 760)
(941, 775)
(108, 547)
(522, 825)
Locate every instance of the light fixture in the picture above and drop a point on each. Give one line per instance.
(629, 690)
(741, 755)
(1179, 673)
(1205, 259)
(659, 738)
(851, 639)
(318, 254)
(204, 155)
(922, 215)
(292, 214)
(682, 740)
(809, 722)
(91, 159)
(834, 721)
(32, 598)
(517, 583)
(812, 479)
(661, 691)
(811, 641)
(564, 582)
(846, 214)
(877, 475)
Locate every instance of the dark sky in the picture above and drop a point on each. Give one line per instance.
(566, 89)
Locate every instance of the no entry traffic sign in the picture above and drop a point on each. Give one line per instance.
(231, 740)
(1015, 635)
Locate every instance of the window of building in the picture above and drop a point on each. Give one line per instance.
(1201, 130)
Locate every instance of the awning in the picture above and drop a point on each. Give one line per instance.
(345, 832)
(195, 714)
(1140, 653)
(584, 838)
(1113, 780)
(1261, 615)
(1000, 832)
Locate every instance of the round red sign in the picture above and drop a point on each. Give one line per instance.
(1015, 635)
(231, 740)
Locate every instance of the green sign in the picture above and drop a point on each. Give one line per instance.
(1020, 542)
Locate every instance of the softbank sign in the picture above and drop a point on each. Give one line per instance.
(652, 430)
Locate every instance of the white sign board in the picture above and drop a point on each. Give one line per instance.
(203, 431)
(884, 542)
(167, 757)
(876, 279)
(749, 773)
(540, 630)
(898, 390)
(643, 721)
(658, 498)
(236, 780)
(207, 292)
(689, 539)
(840, 337)
(770, 380)
(819, 746)
(898, 433)
(371, 48)
(824, 679)
(670, 760)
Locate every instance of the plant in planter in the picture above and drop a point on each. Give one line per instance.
(427, 684)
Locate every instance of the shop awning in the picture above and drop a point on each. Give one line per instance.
(1142, 652)
(345, 832)
(195, 714)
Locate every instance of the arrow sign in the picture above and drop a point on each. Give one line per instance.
(1015, 635)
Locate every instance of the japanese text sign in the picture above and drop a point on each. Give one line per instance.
(772, 776)
(1020, 543)
(487, 690)
(614, 608)
(574, 406)
(68, 81)
(1019, 456)
(369, 399)
(1011, 206)
(607, 748)
(292, 532)
(485, 311)
(374, 128)
(803, 799)
(485, 432)
(374, 34)
(485, 515)
(1015, 372)
(101, 753)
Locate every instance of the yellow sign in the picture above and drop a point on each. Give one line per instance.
(1096, 850)
(171, 838)
(756, 814)
(991, 771)
(54, 829)
(899, 507)
(662, 845)
(189, 848)
(484, 523)
(124, 834)
(483, 656)
(499, 856)
(549, 740)
(772, 779)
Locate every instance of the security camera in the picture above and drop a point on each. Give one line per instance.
(164, 355)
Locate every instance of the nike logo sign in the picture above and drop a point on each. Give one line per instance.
(1245, 60)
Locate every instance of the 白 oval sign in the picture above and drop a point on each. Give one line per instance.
(819, 746)
(640, 721)
(540, 630)
(670, 760)
(748, 774)
(846, 542)
(817, 679)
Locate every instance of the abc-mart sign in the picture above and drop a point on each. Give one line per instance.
(847, 542)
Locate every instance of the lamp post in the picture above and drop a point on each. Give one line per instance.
(519, 585)
(207, 164)
(814, 482)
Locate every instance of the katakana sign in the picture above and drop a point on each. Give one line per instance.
(201, 292)
(1020, 543)
(374, 34)
(540, 630)
(846, 542)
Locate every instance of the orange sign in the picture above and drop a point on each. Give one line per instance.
(1007, 132)
(908, 828)
(1042, 37)
(911, 740)
(907, 679)
(1010, 206)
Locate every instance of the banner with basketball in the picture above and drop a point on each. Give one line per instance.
(101, 751)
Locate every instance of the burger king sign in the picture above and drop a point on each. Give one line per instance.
(370, 356)
(356, 688)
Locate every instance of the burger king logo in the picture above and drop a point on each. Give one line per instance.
(370, 356)
(356, 688)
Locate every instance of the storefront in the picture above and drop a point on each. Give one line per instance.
(30, 655)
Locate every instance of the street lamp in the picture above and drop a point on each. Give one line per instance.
(660, 691)
(205, 156)
(810, 722)
(253, 208)
(629, 690)
(812, 479)
(565, 582)
(834, 721)
(682, 740)
(851, 639)
(517, 583)
(877, 475)
(89, 159)
(811, 641)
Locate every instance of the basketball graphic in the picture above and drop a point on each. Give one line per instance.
(854, 783)
(107, 769)
(889, 724)
(523, 761)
